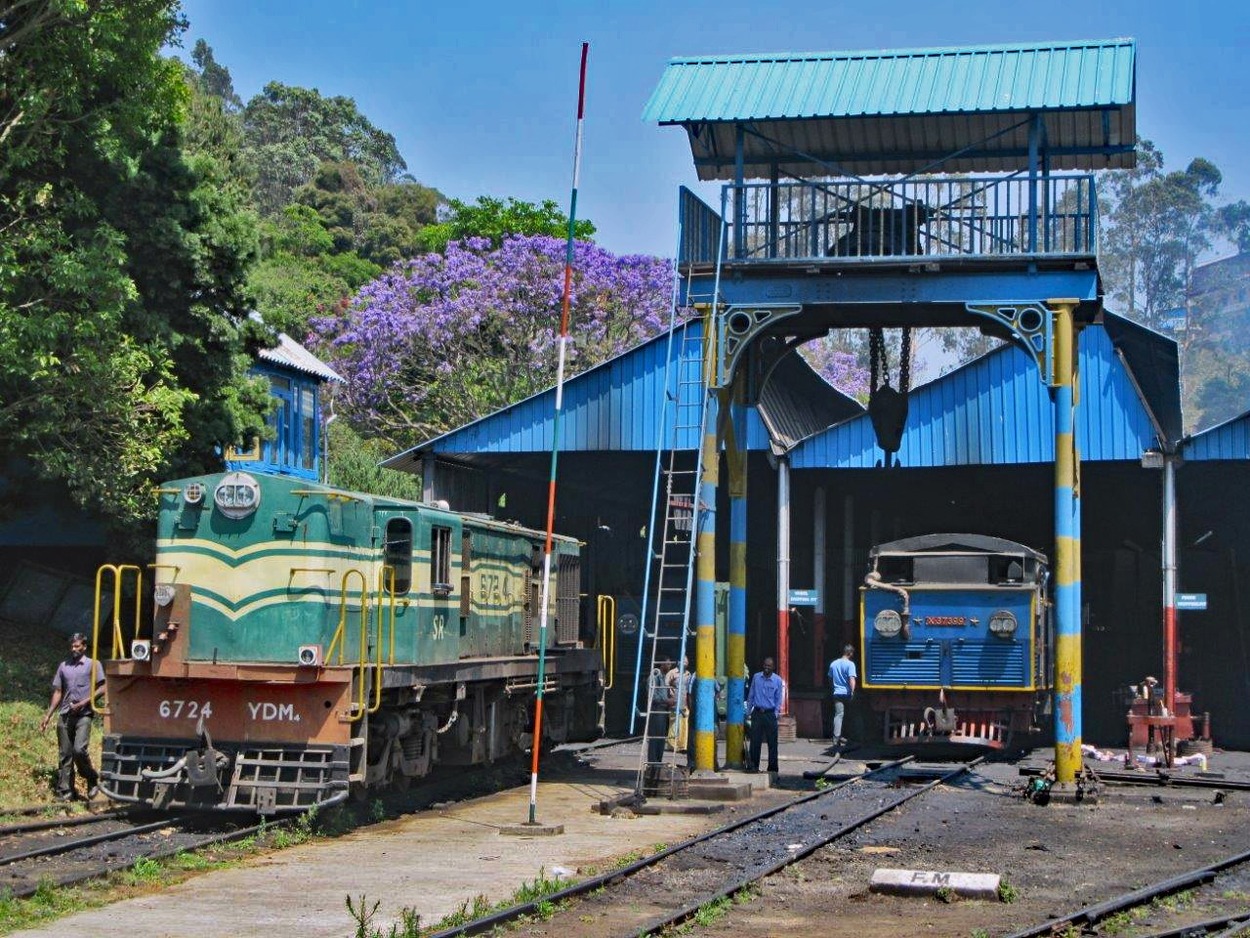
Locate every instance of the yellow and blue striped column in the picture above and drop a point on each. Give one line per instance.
(736, 627)
(705, 566)
(1067, 549)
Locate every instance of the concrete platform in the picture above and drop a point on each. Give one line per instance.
(441, 858)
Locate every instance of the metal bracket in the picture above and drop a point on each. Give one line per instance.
(739, 325)
(1030, 324)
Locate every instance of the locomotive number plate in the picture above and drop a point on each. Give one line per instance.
(945, 620)
(184, 709)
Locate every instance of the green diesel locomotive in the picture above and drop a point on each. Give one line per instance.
(308, 642)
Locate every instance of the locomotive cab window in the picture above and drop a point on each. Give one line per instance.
(896, 569)
(440, 561)
(1007, 571)
(398, 554)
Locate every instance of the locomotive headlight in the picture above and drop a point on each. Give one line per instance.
(888, 623)
(1003, 624)
(193, 494)
(237, 495)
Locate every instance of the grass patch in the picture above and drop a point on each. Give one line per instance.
(363, 911)
(26, 668)
(147, 876)
(1006, 892)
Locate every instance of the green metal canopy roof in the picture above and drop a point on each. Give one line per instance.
(900, 110)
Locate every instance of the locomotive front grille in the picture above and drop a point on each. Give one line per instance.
(266, 779)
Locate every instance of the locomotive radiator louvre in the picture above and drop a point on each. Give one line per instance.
(568, 590)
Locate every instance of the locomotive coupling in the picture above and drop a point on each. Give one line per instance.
(199, 769)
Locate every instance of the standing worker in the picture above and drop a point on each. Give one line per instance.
(662, 700)
(842, 675)
(764, 704)
(73, 689)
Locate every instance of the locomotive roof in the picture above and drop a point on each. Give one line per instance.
(956, 543)
(387, 502)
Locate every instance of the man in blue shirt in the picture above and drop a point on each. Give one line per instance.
(764, 704)
(77, 680)
(842, 676)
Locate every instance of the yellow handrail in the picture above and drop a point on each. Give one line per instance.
(362, 665)
(119, 573)
(605, 637)
(386, 587)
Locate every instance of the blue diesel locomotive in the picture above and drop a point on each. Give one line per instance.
(957, 639)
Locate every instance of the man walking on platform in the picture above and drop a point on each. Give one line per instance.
(842, 676)
(764, 704)
(76, 682)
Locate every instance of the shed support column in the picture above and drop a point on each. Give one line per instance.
(1067, 550)
(736, 630)
(783, 579)
(848, 571)
(705, 585)
(818, 581)
(1169, 581)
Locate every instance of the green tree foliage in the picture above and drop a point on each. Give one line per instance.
(1158, 228)
(124, 254)
(290, 131)
(497, 219)
(337, 235)
(353, 465)
(213, 78)
(1158, 225)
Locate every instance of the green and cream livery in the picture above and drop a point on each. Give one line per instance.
(290, 615)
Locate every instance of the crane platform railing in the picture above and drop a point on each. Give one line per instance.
(914, 219)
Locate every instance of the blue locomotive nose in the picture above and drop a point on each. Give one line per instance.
(955, 639)
(958, 638)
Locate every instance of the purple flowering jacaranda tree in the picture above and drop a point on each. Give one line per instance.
(442, 339)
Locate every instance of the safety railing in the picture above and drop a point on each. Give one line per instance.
(700, 229)
(927, 218)
(605, 637)
(119, 573)
(339, 643)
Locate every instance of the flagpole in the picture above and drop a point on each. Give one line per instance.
(555, 443)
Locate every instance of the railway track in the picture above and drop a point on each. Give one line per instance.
(1222, 888)
(669, 887)
(60, 852)
(88, 847)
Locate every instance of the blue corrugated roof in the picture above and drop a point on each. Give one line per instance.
(898, 110)
(996, 411)
(1031, 77)
(615, 406)
(1228, 440)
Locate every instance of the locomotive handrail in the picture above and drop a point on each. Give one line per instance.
(605, 639)
(332, 496)
(119, 573)
(386, 588)
(339, 639)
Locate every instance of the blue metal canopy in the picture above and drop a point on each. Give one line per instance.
(897, 111)
(615, 407)
(995, 411)
(1229, 440)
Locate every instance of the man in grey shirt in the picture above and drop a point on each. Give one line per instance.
(72, 691)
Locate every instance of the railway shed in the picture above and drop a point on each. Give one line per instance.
(969, 462)
(847, 203)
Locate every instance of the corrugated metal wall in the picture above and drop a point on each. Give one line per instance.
(996, 411)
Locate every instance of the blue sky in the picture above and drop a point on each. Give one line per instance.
(481, 96)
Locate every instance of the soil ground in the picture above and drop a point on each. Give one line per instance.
(1056, 857)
